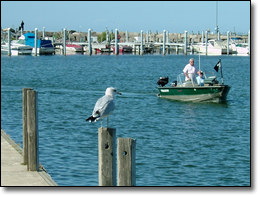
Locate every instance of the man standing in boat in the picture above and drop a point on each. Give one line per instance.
(190, 71)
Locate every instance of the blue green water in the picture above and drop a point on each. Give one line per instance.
(178, 143)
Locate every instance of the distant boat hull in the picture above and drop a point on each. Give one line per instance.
(44, 51)
(16, 49)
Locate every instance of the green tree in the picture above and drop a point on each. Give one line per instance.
(103, 36)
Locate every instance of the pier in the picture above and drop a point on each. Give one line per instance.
(14, 172)
(141, 43)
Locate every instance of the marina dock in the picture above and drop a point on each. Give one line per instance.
(13, 172)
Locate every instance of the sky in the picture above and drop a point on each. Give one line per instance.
(131, 16)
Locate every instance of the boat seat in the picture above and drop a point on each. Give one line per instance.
(188, 84)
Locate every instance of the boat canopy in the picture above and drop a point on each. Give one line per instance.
(29, 40)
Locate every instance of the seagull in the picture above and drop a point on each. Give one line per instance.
(104, 106)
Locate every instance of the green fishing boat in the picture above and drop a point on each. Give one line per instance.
(212, 90)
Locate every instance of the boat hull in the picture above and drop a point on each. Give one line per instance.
(16, 49)
(216, 93)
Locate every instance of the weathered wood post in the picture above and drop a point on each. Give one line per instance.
(126, 149)
(107, 156)
(32, 126)
(25, 130)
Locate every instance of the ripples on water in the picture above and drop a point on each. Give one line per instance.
(178, 143)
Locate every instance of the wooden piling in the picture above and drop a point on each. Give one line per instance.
(32, 127)
(107, 156)
(9, 42)
(206, 42)
(249, 42)
(25, 133)
(126, 148)
(89, 43)
(185, 42)
(64, 41)
(142, 47)
(228, 43)
(35, 42)
(116, 42)
(164, 34)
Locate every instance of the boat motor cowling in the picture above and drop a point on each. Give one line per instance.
(174, 83)
(162, 81)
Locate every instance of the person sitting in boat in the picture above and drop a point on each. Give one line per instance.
(200, 79)
(190, 71)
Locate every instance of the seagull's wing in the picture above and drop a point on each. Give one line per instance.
(103, 107)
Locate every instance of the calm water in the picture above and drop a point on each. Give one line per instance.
(178, 143)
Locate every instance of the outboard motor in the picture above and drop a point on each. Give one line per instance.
(162, 81)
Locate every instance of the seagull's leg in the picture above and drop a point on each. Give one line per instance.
(101, 123)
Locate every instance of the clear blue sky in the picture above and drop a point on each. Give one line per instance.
(131, 16)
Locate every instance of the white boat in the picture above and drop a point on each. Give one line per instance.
(18, 47)
(242, 49)
(214, 47)
(239, 48)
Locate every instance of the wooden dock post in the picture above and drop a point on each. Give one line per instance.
(164, 35)
(25, 133)
(116, 42)
(9, 42)
(35, 42)
(248, 42)
(126, 148)
(107, 156)
(227, 42)
(32, 126)
(206, 42)
(185, 42)
(89, 43)
(142, 47)
(64, 41)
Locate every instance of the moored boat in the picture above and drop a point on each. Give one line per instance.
(212, 90)
(73, 48)
(123, 49)
(17, 47)
(214, 47)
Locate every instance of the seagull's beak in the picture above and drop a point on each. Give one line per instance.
(119, 93)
